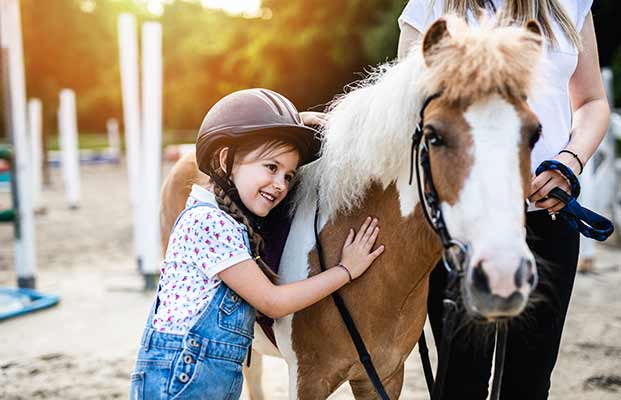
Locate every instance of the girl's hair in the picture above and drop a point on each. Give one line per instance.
(272, 147)
(520, 11)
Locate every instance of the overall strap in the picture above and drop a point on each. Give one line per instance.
(199, 204)
(156, 303)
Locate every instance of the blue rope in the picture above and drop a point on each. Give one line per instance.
(587, 222)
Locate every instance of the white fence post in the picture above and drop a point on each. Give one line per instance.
(68, 135)
(114, 142)
(152, 146)
(35, 129)
(128, 56)
(15, 101)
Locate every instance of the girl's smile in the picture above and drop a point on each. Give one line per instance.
(263, 181)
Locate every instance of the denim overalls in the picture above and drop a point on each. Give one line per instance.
(205, 363)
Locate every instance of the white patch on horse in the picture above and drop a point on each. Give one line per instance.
(294, 266)
(408, 194)
(490, 206)
(262, 343)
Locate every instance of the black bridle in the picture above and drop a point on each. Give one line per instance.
(454, 257)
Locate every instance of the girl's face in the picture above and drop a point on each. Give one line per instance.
(263, 180)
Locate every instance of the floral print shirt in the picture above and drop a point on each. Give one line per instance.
(204, 242)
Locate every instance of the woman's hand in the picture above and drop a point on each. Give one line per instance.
(357, 255)
(314, 118)
(543, 183)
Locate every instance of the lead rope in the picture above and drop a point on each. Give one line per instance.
(363, 354)
(499, 359)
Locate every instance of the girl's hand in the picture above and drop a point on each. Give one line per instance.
(314, 118)
(357, 255)
(548, 180)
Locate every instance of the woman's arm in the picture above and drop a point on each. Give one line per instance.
(589, 122)
(591, 113)
(407, 37)
(276, 301)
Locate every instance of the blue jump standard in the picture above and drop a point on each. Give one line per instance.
(19, 301)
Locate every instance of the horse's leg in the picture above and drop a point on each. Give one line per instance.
(252, 376)
(363, 389)
(316, 384)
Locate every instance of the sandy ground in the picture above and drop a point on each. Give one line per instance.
(84, 347)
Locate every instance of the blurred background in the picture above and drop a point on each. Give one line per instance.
(84, 225)
(307, 50)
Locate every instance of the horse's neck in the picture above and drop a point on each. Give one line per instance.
(411, 247)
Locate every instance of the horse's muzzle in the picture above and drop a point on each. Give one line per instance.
(498, 293)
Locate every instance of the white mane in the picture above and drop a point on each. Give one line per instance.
(368, 135)
(367, 138)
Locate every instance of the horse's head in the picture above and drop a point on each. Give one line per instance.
(480, 132)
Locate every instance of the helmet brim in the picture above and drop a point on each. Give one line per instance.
(306, 139)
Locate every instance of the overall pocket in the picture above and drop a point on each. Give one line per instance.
(211, 379)
(236, 315)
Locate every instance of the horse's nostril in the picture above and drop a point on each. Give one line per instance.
(532, 279)
(524, 273)
(480, 280)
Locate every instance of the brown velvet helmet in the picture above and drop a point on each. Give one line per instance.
(254, 112)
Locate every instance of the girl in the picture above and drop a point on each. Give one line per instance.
(198, 333)
(574, 114)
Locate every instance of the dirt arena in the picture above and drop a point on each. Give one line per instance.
(84, 347)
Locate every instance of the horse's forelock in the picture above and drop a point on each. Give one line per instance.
(476, 62)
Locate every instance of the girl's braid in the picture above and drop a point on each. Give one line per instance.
(227, 205)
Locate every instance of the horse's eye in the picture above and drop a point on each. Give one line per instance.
(534, 136)
(433, 138)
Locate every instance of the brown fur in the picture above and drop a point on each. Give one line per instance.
(450, 164)
(388, 302)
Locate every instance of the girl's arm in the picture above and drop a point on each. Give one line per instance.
(589, 121)
(276, 301)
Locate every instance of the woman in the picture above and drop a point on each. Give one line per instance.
(574, 113)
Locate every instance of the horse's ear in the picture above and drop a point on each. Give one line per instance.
(436, 32)
(533, 26)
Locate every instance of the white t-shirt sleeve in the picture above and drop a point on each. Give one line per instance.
(219, 243)
(420, 14)
(584, 6)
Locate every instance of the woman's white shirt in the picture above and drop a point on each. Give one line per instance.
(551, 104)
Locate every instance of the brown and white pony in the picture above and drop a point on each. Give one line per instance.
(481, 132)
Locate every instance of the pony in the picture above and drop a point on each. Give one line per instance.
(480, 130)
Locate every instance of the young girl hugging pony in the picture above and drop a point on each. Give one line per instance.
(198, 332)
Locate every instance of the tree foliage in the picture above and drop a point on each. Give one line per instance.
(308, 50)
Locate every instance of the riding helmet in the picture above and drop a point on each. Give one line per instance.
(254, 112)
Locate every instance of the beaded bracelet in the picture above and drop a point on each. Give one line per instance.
(575, 156)
(346, 270)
